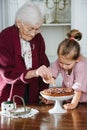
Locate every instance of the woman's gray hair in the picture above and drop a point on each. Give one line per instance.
(32, 13)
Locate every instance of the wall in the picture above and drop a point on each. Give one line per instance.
(79, 21)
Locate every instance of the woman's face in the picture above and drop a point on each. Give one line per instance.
(28, 32)
(66, 63)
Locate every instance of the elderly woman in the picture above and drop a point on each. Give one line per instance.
(22, 56)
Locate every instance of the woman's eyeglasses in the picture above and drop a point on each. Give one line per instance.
(31, 30)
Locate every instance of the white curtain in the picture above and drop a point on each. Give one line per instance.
(8, 10)
(3, 14)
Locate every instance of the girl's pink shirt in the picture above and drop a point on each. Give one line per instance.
(76, 80)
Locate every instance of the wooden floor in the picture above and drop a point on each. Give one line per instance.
(71, 120)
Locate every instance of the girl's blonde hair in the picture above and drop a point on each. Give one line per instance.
(70, 45)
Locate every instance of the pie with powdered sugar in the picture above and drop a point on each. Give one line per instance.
(57, 91)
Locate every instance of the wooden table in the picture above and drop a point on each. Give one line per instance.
(72, 120)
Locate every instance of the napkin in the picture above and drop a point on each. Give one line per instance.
(20, 113)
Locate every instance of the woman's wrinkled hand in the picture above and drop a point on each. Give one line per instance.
(43, 71)
(49, 81)
(46, 75)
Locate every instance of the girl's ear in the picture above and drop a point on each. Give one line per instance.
(79, 58)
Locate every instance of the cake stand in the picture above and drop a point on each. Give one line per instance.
(58, 102)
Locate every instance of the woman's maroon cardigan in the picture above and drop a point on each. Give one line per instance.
(12, 67)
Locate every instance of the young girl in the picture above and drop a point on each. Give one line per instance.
(73, 67)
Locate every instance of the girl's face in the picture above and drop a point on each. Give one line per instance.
(66, 63)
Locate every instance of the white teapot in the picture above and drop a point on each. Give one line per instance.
(7, 106)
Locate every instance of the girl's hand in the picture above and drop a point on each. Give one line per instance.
(70, 106)
(74, 102)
